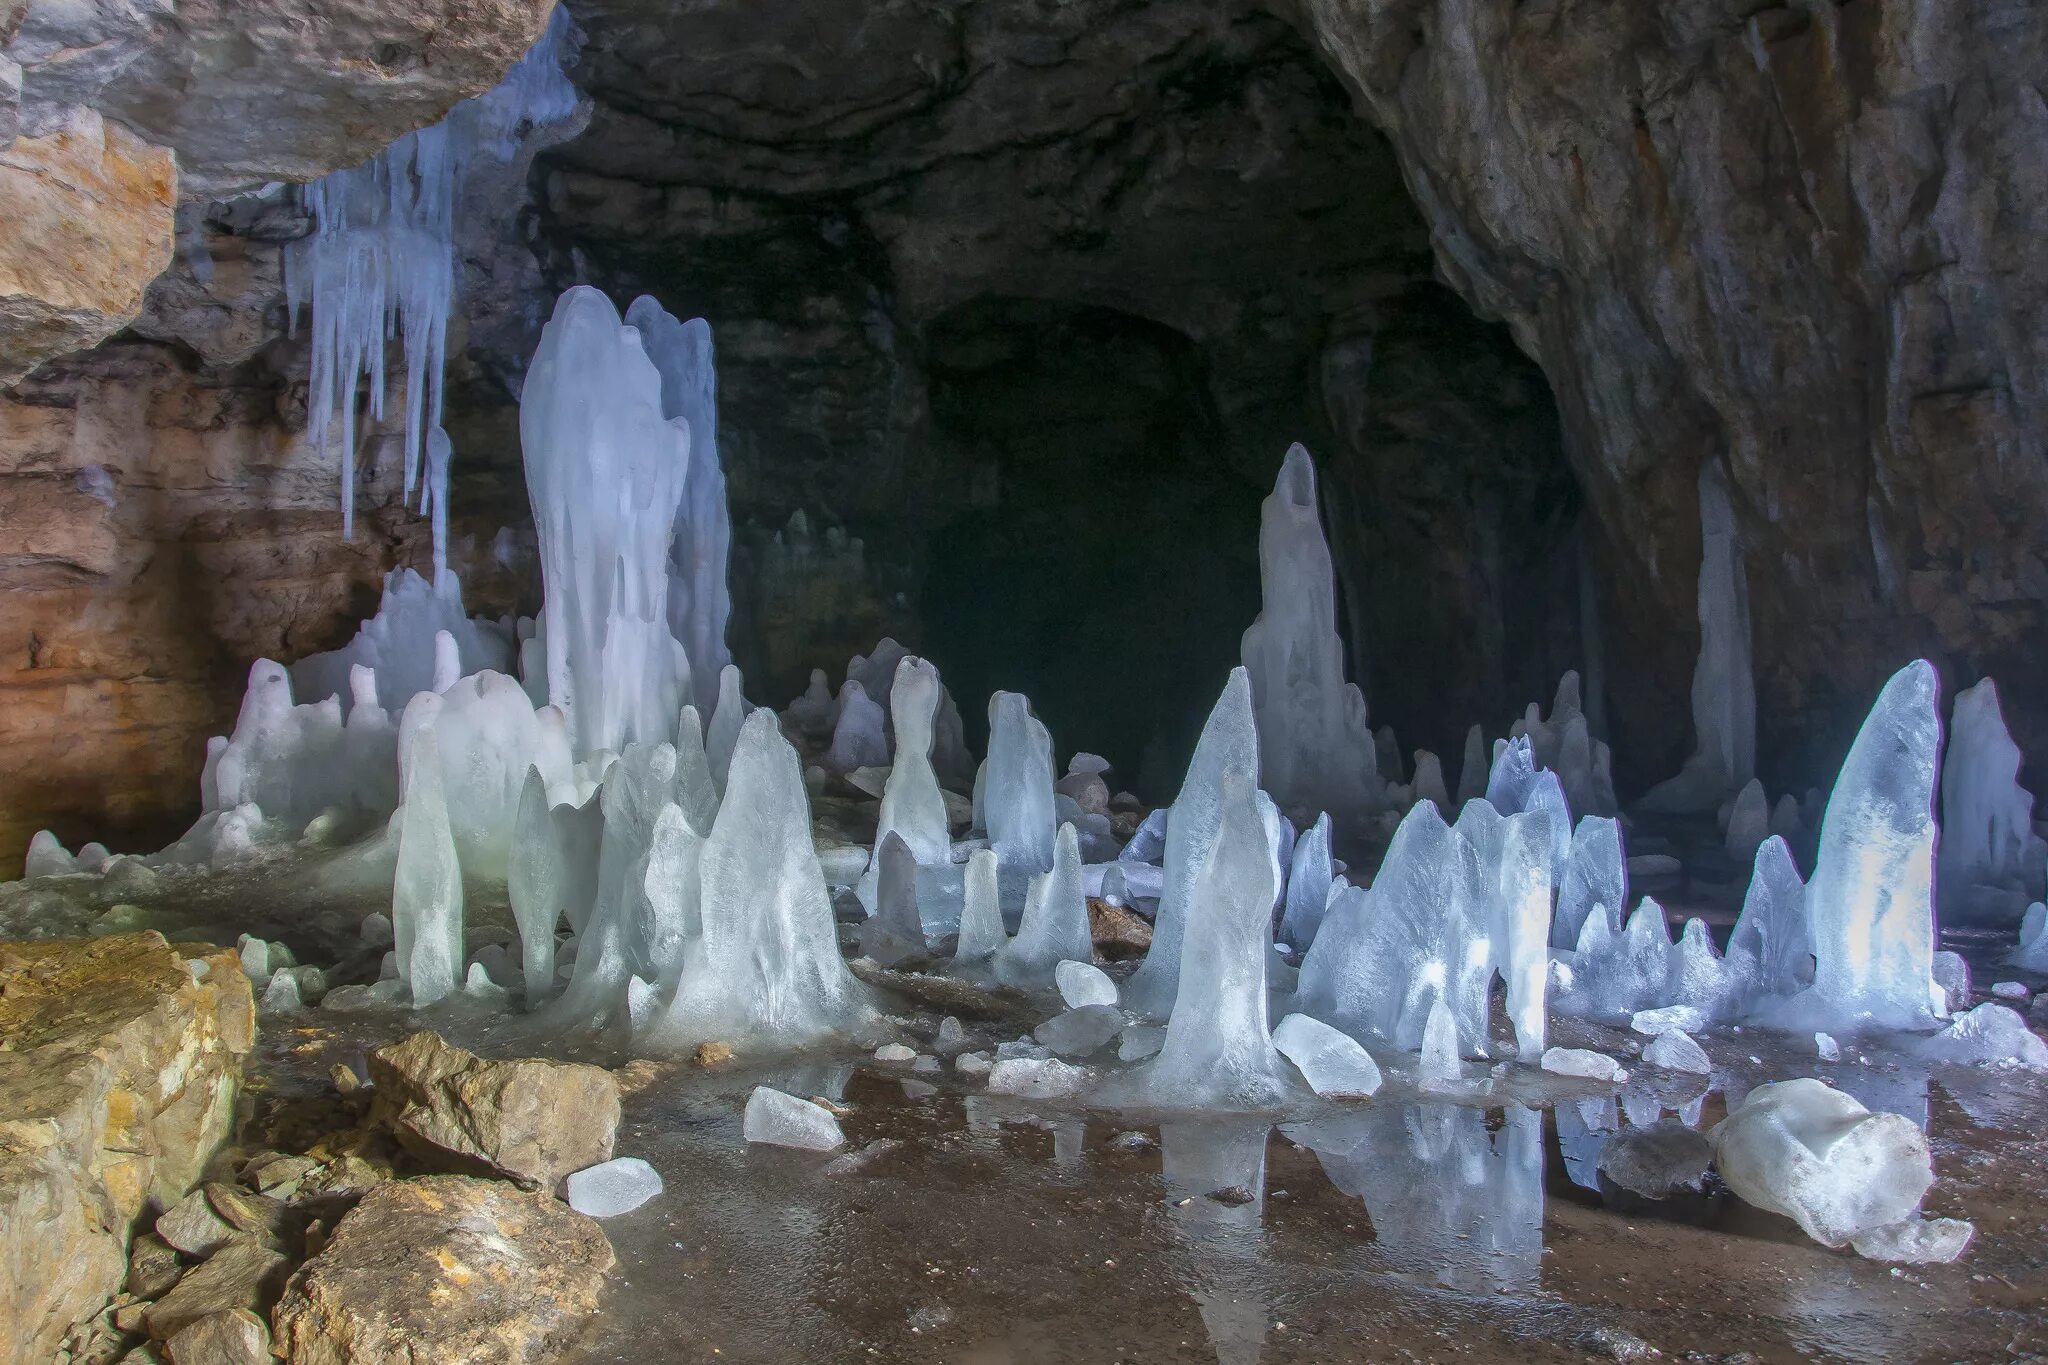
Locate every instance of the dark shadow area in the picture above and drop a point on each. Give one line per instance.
(1108, 563)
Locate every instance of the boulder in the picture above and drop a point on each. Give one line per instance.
(244, 1274)
(528, 1120)
(449, 1269)
(236, 1337)
(117, 1087)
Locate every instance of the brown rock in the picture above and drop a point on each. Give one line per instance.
(89, 225)
(191, 1226)
(243, 1274)
(446, 1269)
(1120, 933)
(714, 1053)
(153, 1267)
(236, 1337)
(117, 1085)
(531, 1120)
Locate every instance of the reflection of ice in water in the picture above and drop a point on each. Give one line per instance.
(988, 1118)
(1583, 1127)
(1900, 1089)
(828, 1079)
(1200, 1157)
(1449, 1199)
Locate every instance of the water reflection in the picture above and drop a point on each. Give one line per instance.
(1215, 1175)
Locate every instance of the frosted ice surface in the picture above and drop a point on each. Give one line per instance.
(1054, 928)
(1870, 905)
(426, 890)
(858, 740)
(398, 646)
(1316, 751)
(1674, 1050)
(1219, 1049)
(1595, 873)
(1917, 1241)
(1229, 743)
(1613, 976)
(894, 932)
(670, 905)
(1723, 681)
(1017, 796)
(605, 471)
(816, 711)
(1701, 977)
(1820, 1158)
(724, 731)
(2032, 952)
(1749, 822)
(981, 919)
(613, 1187)
(1826, 1048)
(47, 857)
(1989, 1035)
(1578, 1061)
(699, 600)
(1083, 983)
(1772, 931)
(781, 1120)
(1035, 1078)
(1081, 1031)
(1148, 841)
(1308, 885)
(1988, 843)
(1332, 1063)
(1442, 1061)
(913, 807)
(1654, 1023)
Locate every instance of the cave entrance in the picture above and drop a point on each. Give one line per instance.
(1107, 561)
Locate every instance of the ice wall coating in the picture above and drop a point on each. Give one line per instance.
(381, 258)
(1316, 752)
(1987, 819)
(1723, 681)
(605, 473)
(699, 597)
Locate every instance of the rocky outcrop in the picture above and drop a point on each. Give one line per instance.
(529, 1120)
(118, 1076)
(451, 1269)
(1798, 239)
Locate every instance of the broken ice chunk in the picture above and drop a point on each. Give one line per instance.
(1331, 1062)
(2009, 990)
(1578, 1061)
(1083, 983)
(1820, 1158)
(1035, 1078)
(1675, 1051)
(895, 1053)
(613, 1187)
(1686, 1018)
(1826, 1048)
(1140, 1041)
(972, 1064)
(1080, 1031)
(1916, 1241)
(282, 994)
(1989, 1035)
(781, 1120)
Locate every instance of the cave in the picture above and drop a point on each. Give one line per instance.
(988, 682)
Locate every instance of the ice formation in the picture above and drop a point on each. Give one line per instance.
(781, 1120)
(765, 972)
(605, 472)
(1749, 822)
(1674, 1050)
(1595, 877)
(913, 807)
(724, 730)
(1219, 1050)
(1820, 1158)
(398, 645)
(613, 1187)
(1772, 933)
(981, 918)
(1083, 983)
(699, 599)
(1316, 752)
(1989, 1035)
(1583, 1063)
(816, 711)
(1989, 852)
(858, 739)
(1054, 928)
(893, 931)
(381, 258)
(2032, 952)
(1723, 683)
(1332, 1063)
(1229, 744)
(488, 736)
(1016, 787)
(1308, 885)
(1562, 743)
(426, 894)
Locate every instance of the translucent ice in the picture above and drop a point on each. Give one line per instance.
(1595, 873)
(981, 919)
(1772, 932)
(913, 807)
(1578, 1061)
(1219, 1049)
(1989, 1035)
(858, 740)
(894, 932)
(1615, 976)
(2032, 952)
(816, 711)
(724, 730)
(426, 890)
(1083, 983)
(1054, 928)
(1917, 1241)
(1988, 843)
(1675, 1051)
(612, 1187)
(1081, 1031)
(1655, 1023)
(1017, 793)
(398, 645)
(1316, 751)
(1749, 822)
(489, 736)
(1820, 1158)
(1035, 1078)
(1332, 1063)
(781, 1120)
(1308, 885)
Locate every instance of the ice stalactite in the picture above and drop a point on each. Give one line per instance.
(913, 807)
(1990, 856)
(1316, 752)
(605, 472)
(699, 597)
(1723, 682)
(381, 258)
(1229, 743)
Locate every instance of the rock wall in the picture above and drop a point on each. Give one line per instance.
(1801, 239)
(117, 1085)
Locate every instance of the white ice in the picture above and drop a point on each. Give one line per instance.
(858, 738)
(1084, 983)
(426, 892)
(1016, 788)
(781, 1120)
(1595, 874)
(1989, 851)
(1582, 1062)
(612, 1187)
(1820, 1158)
(1332, 1063)
(1989, 1035)
(1308, 885)
(913, 807)
(1054, 928)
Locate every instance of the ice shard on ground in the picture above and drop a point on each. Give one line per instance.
(1316, 751)
(1820, 1158)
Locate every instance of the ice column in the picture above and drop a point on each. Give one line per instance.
(426, 887)
(913, 808)
(604, 471)
(1315, 750)
(1987, 818)
(1017, 788)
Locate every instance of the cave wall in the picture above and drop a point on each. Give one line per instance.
(1802, 239)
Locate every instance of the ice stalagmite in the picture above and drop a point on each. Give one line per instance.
(816, 710)
(1723, 683)
(1055, 924)
(489, 736)
(1316, 752)
(671, 898)
(913, 808)
(398, 644)
(724, 731)
(1229, 743)
(1516, 785)
(1988, 848)
(699, 598)
(534, 884)
(1595, 874)
(1512, 898)
(605, 473)
(1474, 768)
(893, 931)
(636, 789)
(1308, 885)
(1017, 785)
(766, 972)
(1771, 938)
(858, 736)
(1870, 905)
(1219, 1051)
(426, 888)
(981, 918)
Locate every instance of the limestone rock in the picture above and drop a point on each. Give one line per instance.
(449, 1269)
(117, 1086)
(236, 1337)
(244, 1274)
(530, 1120)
